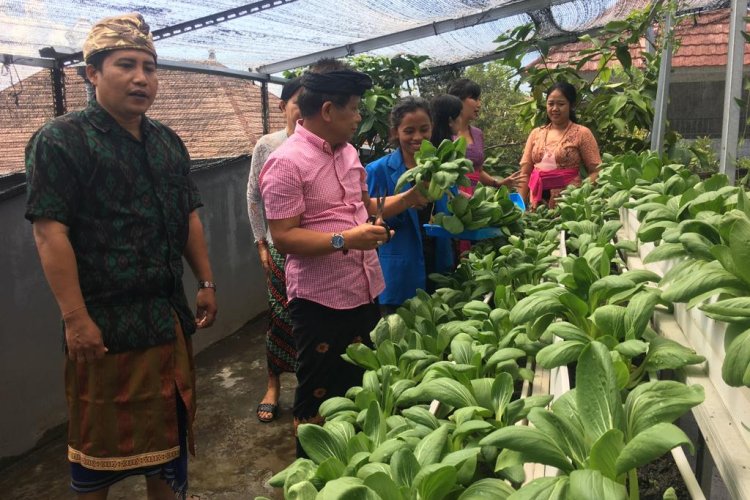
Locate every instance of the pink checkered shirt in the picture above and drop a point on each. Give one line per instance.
(305, 177)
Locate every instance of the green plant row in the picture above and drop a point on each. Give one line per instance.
(471, 355)
(704, 227)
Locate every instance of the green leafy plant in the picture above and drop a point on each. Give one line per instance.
(487, 207)
(617, 101)
(594, 438)
(438, 168)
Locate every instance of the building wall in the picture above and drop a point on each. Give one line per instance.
(696, 106)
(31, 357)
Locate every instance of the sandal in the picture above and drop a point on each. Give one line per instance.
(267, 408)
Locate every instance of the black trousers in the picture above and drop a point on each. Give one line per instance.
(322, 335)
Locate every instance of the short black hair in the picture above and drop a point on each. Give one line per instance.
(97, 60)
(290, 88)
(445, 108)
(408, 104)
(310, 102)
(464, 88)
(569, 91)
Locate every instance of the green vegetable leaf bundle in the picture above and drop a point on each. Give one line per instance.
(488, 207)
(438, 169)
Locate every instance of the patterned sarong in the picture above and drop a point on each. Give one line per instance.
(280, 351)
(125, 417)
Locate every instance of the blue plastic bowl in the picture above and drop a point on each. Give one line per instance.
(518, 200)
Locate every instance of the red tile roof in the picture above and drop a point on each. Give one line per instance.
(703, 43)
(217, 117)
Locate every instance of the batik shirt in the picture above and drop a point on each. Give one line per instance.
(126, 204)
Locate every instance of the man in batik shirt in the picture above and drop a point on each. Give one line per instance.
(113, 209)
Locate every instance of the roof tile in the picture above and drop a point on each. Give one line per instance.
(216, 117)
(703, 43)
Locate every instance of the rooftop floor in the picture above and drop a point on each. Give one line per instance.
(236, 454)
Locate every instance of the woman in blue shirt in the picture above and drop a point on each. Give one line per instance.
(411, 255)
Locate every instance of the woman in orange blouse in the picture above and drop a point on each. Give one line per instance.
(555, 152)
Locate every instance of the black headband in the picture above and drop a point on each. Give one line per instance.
(290, 88)
(344, 81)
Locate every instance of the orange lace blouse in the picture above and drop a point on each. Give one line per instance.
(577, 147)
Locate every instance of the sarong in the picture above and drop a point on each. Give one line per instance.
(174, 472)
(124, 414)
(544, 180)
(322, 335)
(281, 353)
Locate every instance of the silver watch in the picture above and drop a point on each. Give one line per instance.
(337, 241)
(207, 284)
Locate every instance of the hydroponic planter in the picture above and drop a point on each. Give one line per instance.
(555, 382)
(706, 336)
(726, 410)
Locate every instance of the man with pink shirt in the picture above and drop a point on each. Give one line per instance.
(317, 206)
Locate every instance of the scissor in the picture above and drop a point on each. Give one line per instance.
(379, 215)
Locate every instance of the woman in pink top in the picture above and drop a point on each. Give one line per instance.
(555, 152)
(470, 94)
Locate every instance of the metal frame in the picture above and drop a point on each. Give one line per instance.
(426, 30)
(730, 129)
(264, 108)
(57, 73)
(201, 22)
(218, 71)
(662, 89)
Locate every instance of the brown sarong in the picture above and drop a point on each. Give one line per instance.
(122, 408)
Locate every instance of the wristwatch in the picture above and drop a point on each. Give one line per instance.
(207, 284)
(337, 241)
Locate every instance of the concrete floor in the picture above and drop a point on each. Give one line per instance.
(236, 454)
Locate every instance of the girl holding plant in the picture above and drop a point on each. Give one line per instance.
(555, 152)
(411, 255)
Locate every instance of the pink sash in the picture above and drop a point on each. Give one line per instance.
(540, 181)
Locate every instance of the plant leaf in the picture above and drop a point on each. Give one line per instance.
(404, 467)
(430, 449)
(605, 451)
(649, 445)
(319, 443)
(659, 401)
(435, 481)
(347, 487)
(382, 484)
(736, 368)
(544, 488)
(565, 433)
(559, 353)
(445, 390)
(597, 396)
(363, 356)
(487, 488)
(304, 490)
(534, 444)
(593, 485)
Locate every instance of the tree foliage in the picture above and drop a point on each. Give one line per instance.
(617, 102)
(503, 136)
(390, 78)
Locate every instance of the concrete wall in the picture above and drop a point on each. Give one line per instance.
(695, 108)
(31, 359)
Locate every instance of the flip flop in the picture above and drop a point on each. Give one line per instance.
(267, 408)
